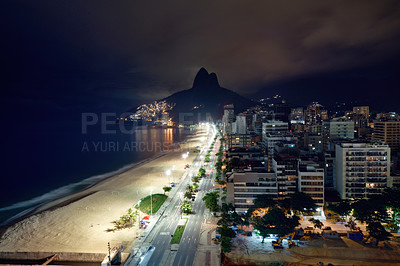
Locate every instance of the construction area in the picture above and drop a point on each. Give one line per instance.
(320, 247)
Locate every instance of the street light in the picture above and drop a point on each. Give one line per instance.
(168, 173)
(138, 205)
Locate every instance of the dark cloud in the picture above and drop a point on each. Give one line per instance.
(149, 49)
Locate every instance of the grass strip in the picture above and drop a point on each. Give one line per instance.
(176, 238)
(157, 202)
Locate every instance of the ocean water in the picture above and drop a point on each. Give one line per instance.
(43, 161)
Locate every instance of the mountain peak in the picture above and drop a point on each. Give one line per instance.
(205, 80)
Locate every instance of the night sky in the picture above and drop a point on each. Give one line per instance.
(90, 56)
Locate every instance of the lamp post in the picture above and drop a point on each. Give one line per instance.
(138, 204)
(173, 168)
(168, 173)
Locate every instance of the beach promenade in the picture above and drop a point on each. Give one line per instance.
(79, 222)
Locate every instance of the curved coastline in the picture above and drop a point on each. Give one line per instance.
(80, 220)
(68, 198)
(74, 195)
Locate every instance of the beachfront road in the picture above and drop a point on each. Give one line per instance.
(191, 236)
(169, 220)
(167, 224)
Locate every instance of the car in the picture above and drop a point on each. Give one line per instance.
(327, 228)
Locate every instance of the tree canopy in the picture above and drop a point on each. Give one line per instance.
(186, 207)
(211, 201)
(300, 202)
(202, 171)
(188, 194)
(167, 189)
(317, 223)
(276, 222)
(264, 201)
(342, 208)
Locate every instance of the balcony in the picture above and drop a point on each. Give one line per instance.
(377, 180)
(353, 190)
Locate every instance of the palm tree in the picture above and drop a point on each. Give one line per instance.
(190, 188)
(186, 207)
(188, 194)
(211, 201)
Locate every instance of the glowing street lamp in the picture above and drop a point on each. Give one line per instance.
(168, 173)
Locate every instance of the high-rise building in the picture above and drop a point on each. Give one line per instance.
(389, 132)
(337, 128)
(315, 113)
(311, 182)
(341, 128)
(297, 115)
(282, 111)
(270, 140)
(362, 169)
(274, 127)
(285, 164)
(239, 141)
(313, 142)
(241, 124)
(360, 117)
(362, 110)
(228, 118)
(329, 170)
(243, 188)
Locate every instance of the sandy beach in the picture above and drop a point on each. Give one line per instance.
(79, 222)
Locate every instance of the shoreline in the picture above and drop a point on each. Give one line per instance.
(26, 207)
(92, 195)
(75, 196)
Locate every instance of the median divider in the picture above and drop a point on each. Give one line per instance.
(180, 228)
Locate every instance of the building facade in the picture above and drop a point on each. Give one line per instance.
(243, 188)
(285, 166)
(389, 132)
(362, 169)
(311, 182)
(239, 141)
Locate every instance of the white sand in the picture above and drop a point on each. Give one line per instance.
(81, 225)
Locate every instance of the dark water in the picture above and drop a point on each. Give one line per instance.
(43, 161)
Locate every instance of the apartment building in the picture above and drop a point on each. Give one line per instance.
(389, 132)
(361, 110)
(275, 127)
(362, 169)
(270, 140)
(239, 141)
(329, 170)
(315, 113)
(228, 118)
(311, 182)
(243, 188)
(339, 128)
(285, 165)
